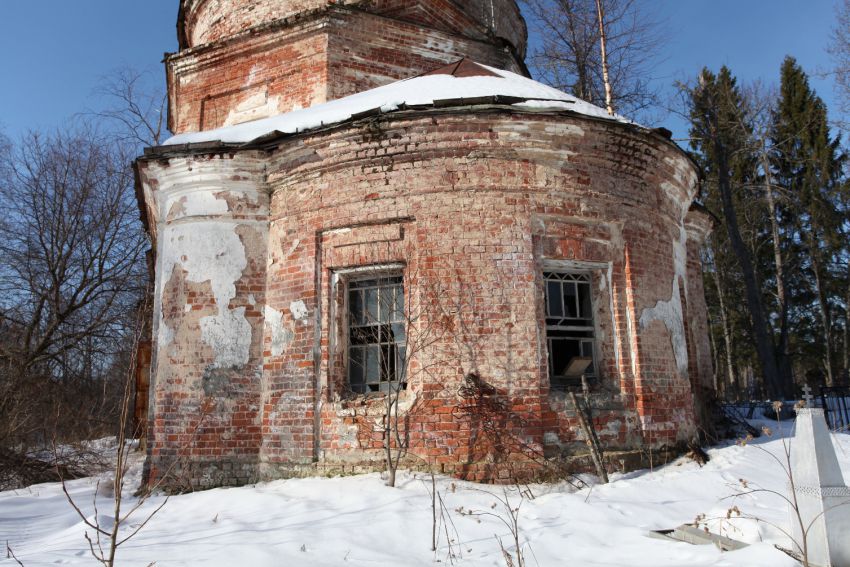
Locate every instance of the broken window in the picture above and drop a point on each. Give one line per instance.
(376, 334)
(569, 327)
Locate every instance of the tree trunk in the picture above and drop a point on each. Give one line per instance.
(764, 343)
(847, 326)
(719, 386)
(609, 102)
(783, 357)
(591, 440)
(731, 378)
(826, 319)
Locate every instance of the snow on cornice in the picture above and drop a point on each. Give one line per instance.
(424, 90)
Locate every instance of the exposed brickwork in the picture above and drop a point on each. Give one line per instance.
(210, 292)
(318, 56)
(207, 21)
(254, 246)
(473, 207)
(142, 380)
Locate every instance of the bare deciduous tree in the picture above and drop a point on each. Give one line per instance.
(71, 276)
(135, 105)
(107, 537)
(71, 246)
(570, 53)
(840, 50)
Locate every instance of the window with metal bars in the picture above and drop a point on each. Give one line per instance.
(376, 334)
(569, 328)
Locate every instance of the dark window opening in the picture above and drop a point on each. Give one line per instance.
(569, 328)
(376, 334)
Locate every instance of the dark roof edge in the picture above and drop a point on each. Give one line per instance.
(697, 207)
(495, 103)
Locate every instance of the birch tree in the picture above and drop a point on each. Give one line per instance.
(569, 56)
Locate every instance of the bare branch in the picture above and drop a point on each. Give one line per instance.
(134, 105)
(569, 56)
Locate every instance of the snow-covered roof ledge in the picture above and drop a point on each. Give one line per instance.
(460, 83)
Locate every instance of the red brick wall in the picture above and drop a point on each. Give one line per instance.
(208, 21)
(474, 206)
(365, 51)
(477, 204)
(288, 69)
(208, 319)
(310, 60)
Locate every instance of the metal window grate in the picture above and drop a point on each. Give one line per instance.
(376, 334)
(569, 326)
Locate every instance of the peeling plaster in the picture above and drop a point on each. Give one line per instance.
(229, 335)
(203, 204)
(608, 279)
(164, 333)
(280, 335)
(293, 248)
(611, 429)
(254, 107)
(630, 326)
(671, 312)
(299, 310)
(215, 254)
(551, 438)
(683, 172)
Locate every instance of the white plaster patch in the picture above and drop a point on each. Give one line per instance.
(338, 231)
(683, 172)
(256, 69)
(213, 252)
(280, 336)
(255, 107)
(229, 334)
(294, 247)
(630, 326)
(203, 203)
(561, 128)
(670, 313)
(612, 428)
(299, 310)
(680, 253)
(607, 280)
(164, 333)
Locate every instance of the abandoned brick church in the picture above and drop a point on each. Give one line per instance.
(364, 195)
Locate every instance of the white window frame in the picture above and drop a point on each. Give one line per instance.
(584, 328)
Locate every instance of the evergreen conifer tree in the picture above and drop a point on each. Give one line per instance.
(807, 163)
(722, 139)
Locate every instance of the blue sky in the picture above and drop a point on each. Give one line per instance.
(54, 52)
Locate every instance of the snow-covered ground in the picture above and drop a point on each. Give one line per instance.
(359, 521)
